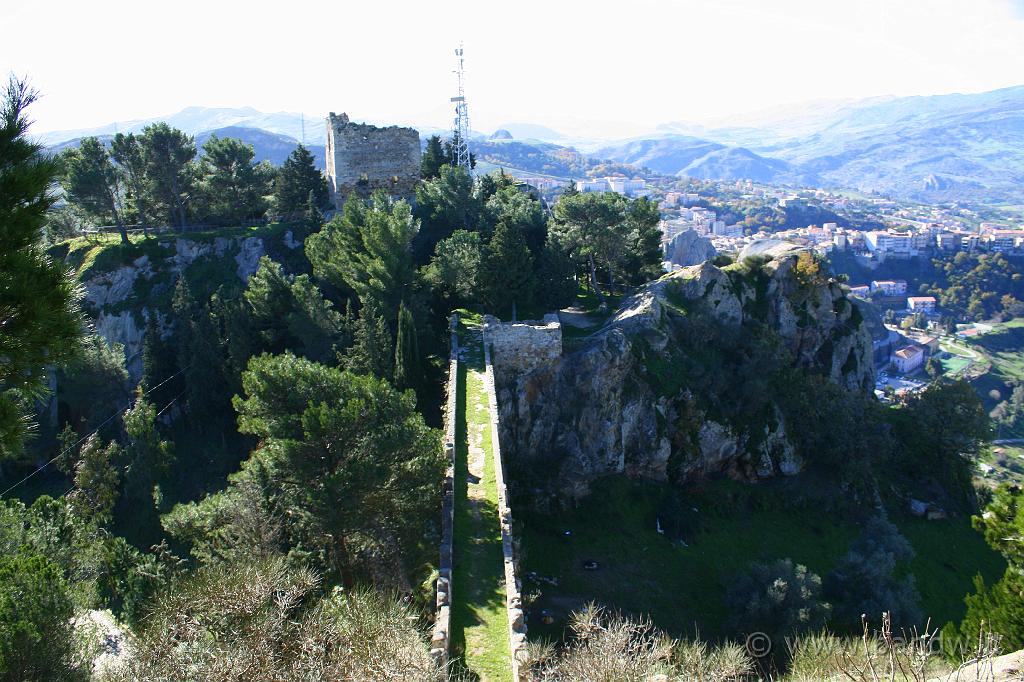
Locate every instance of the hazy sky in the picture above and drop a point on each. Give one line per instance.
(589, 67)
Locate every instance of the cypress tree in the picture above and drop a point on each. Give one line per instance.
(407, 351)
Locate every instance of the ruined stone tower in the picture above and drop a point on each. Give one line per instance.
(363, 158)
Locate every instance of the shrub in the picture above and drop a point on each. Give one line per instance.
(778, 599)
(37, 638)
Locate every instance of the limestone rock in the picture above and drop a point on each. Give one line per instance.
(690, 248)
(248, 257)
(603, 408)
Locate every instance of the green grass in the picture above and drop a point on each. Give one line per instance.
(949, 554)
(682, 587)
(479, 631)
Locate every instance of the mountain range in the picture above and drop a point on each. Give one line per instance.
(936, 148)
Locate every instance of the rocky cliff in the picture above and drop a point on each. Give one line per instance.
(124, 287)
(687, 379)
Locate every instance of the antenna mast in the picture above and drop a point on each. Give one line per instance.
(460, 126)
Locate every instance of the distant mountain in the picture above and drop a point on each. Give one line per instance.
(667, 155)
(194, 120)
(942, 147)
(268, 146)
(687, 156)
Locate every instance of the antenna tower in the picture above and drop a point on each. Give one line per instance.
(460, 126)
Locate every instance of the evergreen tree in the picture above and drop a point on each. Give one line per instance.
(509, 204)
(371, 348)
(350, 463)
(160, 365)
(297, 178)
(313, 218)
(368, 249)
(127, 153)
(168, 154)
(93, 183)
(999, 608)
(590, 225)
(642, 261)
(37, 634)
(233, 186)
(96, 480)
(407, 351)
(556, 276)
(38, 300)
(148, 458)
(433, 158)
(506, 270)
(445, 204)
(454, 271)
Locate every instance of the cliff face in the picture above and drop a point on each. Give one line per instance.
(121, 297)
(680, 383)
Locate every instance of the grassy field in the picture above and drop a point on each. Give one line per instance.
(680, 578)
(480, 644)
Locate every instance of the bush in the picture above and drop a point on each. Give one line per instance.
(37, 638)
(258, 620)
(778, 599)
(607, 646)
(865, 579)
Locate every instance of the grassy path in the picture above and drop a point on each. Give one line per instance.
(479, 630)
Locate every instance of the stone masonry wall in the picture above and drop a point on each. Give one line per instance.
(520, 347)
(513, 588)
(363, 158)
(440, 640)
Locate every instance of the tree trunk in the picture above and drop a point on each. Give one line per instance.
(593, 283)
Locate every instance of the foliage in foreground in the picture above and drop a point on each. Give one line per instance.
(607, 647)
(261, 621)
(38, 300)
(347, 469)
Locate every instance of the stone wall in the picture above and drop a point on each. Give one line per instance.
(440, 640)
(513, 588)
(521, 347)
(363, 158)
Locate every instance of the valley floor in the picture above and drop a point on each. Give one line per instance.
(712, 533)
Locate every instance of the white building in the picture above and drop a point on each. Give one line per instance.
(908, 358)
(921, 304)
(889, 287)
(635, 187)
(889, 243)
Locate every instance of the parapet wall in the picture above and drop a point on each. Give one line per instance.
(363, 158)
(440, 640)
(513, 588)
(521, 347)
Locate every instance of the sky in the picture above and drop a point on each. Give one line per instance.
(593, 67)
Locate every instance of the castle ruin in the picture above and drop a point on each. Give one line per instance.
(363, 158)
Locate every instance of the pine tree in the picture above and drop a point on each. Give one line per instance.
(96, 480)
(433, 158)
(148, 457)
(371, 349)
(168, 154)
(296, 179)
(313, 218)
(407, 351)
(127, 153)
(38, 300)
(506, 272)
(93, 183)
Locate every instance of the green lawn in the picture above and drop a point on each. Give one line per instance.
(680, 579)
(479, 631)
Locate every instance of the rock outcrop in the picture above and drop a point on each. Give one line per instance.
(689, 248)
(120, 314)
(659, 391)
